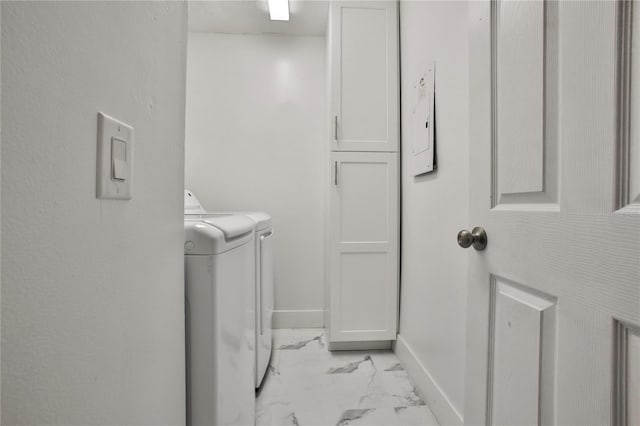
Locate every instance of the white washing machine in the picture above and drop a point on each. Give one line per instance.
(264, 280)
(220, 322)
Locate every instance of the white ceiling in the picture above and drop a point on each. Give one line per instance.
(307, 17)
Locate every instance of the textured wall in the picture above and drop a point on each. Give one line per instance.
(92, 291)
(254, 141)
(435, 206)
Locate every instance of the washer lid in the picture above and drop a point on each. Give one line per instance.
(217, 234)
(232, 226)
(191, 204)
(262, 219)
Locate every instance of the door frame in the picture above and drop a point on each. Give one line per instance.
(480, 119)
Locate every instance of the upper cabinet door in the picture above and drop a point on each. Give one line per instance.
(364, 76)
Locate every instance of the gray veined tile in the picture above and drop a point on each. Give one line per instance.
(284, 337)
(354, 414)
(411, 398)
(312, 363)
(274, 364)
(395, 367)
(302, 344)
(294, 419)
(273, 370)
(311, 386)
(415, 416)
(390, 389)
(272, 408)
(384, 360)
(350, 367)
(384, 416)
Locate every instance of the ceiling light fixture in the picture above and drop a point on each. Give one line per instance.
(279, 10)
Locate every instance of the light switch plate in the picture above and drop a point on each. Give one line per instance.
(108, 187)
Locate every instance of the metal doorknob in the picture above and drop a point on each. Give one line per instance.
(477, 237)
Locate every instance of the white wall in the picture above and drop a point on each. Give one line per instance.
(92, 291)
(254, 141)
(435, 208)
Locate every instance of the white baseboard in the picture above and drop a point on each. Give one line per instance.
(433, 395)
(360, 346)
(310, 318)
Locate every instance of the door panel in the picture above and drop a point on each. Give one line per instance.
(633, 378)
(364, 76)
(561, 264)
(364, 246)
(522, 355)
(634, 154)
(519, 56)
(364, 33)
(524, 105)
(364, 189)
(629, 158)
(627, 374)
(363, 291)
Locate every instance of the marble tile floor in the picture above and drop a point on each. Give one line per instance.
(308, 385)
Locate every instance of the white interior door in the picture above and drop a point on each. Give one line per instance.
(364, 247)
(554, 299)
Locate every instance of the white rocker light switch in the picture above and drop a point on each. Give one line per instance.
(118, 160)
(115, 159)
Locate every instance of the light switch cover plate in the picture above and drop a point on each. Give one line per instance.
(106, 186)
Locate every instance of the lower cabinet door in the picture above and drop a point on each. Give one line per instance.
(363, 260)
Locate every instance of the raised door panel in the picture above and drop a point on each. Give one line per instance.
(629, 113)
(520, 81)
(524, 104)
(633, 380)
(364, 247)
(626, 374)
(364, 194)
(521, 356)
(363, 291)
(364, 76)
(634, 143)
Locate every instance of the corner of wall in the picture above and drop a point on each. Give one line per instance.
(439, 403)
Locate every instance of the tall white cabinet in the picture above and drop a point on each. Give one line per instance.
(363, 226)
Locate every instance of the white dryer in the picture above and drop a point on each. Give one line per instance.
(219, 282)
(264, 291)
(264, 279)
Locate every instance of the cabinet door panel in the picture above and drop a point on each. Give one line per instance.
(364, 191)
(364, 247)
(364, 76)
(364, 290)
